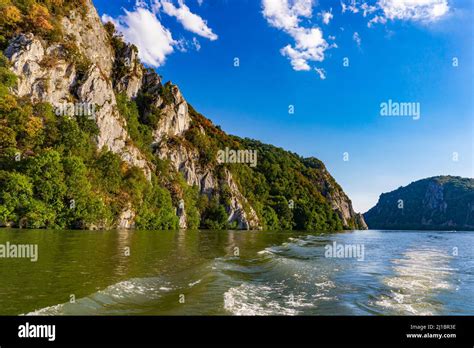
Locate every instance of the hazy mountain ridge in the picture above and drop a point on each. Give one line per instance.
(437, 203)
(149, 159)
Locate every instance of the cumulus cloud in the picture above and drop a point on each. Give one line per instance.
(142, 28)
(309, 43)
(283, 15)
(189, 20)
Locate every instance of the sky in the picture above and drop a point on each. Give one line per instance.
(314, 77)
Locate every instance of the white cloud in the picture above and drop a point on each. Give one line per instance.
(280, 14)
(298, 59)
(416, 10)
(406, 10)
(356, 38)
(142, 28)
(189, 20)
(321, 73)
(155, 5)
(196, 44)
(350, 6)
(309, 45)
(367, 9)
(327, 16)
(141, 3)
(377, 19)
(182, 45)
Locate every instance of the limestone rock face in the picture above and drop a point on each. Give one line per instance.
(343, 206)
(360, 221)
(436, 203)
(131, 80)
(54, 81)
(113, 135)
(175, 118)
(43, 73)
(434, 197)
(174, 122)
(47, 73)
(151, 83)
(126, 219)
(186, 162)
(181, 213)
(90, 37)
(246, 219)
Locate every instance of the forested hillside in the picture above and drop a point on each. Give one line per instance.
(92, 139)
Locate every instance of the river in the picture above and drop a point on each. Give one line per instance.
(238, 273)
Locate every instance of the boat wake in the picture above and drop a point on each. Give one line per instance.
(418, 278)
(280, 281)
(113, 300)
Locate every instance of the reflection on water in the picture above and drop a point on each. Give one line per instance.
(197, 273)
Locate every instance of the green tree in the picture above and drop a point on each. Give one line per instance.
(16, 192)
(47, 175)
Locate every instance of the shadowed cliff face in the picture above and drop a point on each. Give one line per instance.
(438, 203)
(92, 66)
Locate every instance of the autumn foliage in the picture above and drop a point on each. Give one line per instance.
(39, 17)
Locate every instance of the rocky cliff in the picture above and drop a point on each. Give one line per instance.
(150, 126)
(437, 203)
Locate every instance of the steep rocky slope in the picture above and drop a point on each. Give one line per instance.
(150, 126)
(437, 203)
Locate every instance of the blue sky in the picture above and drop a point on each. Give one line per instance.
(401, 50)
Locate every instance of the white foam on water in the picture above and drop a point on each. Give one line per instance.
(419, 276)
(250, 299)
(134, 291)
(294, 286)
(265, 252)
(326, 285)
(194, 283)
(274, 299)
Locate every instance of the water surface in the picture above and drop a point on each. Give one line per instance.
(238, 273)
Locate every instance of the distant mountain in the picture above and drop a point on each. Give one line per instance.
(437, 203)
(92, 139)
